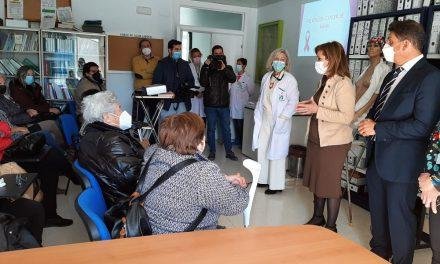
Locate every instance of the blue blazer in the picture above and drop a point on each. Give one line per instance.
(178, 78)
(406, 121)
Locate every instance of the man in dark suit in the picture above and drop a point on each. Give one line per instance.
(398, 127)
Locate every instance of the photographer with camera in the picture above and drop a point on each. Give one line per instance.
(216, 76)
(176, 74)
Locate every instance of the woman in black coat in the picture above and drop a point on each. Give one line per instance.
(107, 148)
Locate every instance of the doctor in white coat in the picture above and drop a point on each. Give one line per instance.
(195, 66)
(276, 105)
(240, 92)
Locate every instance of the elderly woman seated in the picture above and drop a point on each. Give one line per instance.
(175, 204)
(107, 148)
(19, 117)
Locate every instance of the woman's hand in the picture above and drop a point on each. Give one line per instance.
(32, 112)
(429, 192)
(55, 111)
(21, 130)
(307, 107)
(134, 196)
(145, 143)
(237, 179)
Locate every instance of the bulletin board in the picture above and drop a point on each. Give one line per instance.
(32, 9)
(270, 37)
(122, 49)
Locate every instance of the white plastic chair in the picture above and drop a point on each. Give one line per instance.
(255, 168)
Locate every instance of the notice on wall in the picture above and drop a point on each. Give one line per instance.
(48, 13)
(14, 9)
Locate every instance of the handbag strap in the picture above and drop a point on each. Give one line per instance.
(173, 170)
(197, 221)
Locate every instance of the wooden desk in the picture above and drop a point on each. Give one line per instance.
(285, 244)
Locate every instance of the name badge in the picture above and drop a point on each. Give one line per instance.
(282, 97)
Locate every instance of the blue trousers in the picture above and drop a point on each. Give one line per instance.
(222, 115)
(393, 222)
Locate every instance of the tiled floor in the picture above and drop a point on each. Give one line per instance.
(291, 207)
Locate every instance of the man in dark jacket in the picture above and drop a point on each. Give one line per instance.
(176, 74)
(215, 76)
(107, 148)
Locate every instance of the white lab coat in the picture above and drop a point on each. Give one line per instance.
(284, 100)
(240, 92)
(196, 102)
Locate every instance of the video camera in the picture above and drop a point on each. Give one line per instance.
(216, 61)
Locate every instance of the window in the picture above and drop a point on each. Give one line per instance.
(208, 18)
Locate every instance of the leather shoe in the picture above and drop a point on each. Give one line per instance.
(58, 221)
(316, 220)
(231, 156)
(211, 156)
(262, 185)
(269, 191)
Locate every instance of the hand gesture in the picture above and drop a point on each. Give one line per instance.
(307, 107)
(32, 112)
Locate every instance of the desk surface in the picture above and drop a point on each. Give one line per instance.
(285, 244)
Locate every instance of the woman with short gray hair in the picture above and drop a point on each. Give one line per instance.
(107, 147)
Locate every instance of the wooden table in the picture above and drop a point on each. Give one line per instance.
(284, 244)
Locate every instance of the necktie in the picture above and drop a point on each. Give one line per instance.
(386, 90)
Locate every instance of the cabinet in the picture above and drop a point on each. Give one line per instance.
(63, 54)
(19, 47)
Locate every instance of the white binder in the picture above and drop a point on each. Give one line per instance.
(435, 30)
(353, 37)
(364, 7)
(400, 4)
(417, 4)
(408, 4)
(358, 43)
(366, 37)
(375, 28)
(359, 8)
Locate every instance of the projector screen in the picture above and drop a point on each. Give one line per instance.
(323, 21)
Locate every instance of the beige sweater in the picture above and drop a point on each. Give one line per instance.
(336, 111)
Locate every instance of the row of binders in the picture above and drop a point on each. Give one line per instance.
(362, 31)
(10, 66)
(57, 91)
(370, 7)
(356, 67)
(58, 43)
(18, 42)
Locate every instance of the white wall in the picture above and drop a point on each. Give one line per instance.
(303, 67)
(120, 17)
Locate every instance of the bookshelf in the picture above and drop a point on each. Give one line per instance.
(60, 53)
(19, 47)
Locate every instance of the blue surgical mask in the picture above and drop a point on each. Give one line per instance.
(177, 55)
(239, 67)
(278, 65)
(29, 79)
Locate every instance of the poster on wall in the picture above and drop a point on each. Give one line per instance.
(323, 21)
(14, 9)
(48, 13)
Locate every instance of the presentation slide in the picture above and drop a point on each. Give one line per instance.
(323, 21)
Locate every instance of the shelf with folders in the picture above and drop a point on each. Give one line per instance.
(363, 28)
(433, 24)
(370, 7)
(19, 47)
(62, 53)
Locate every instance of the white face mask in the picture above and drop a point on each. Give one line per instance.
(320, 67)
(146, 51)
(124, 120)
(388, 53)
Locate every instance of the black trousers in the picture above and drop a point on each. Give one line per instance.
(238, 128)
(49, 169)
(393, 222)
(434, 233)
(25, 208)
